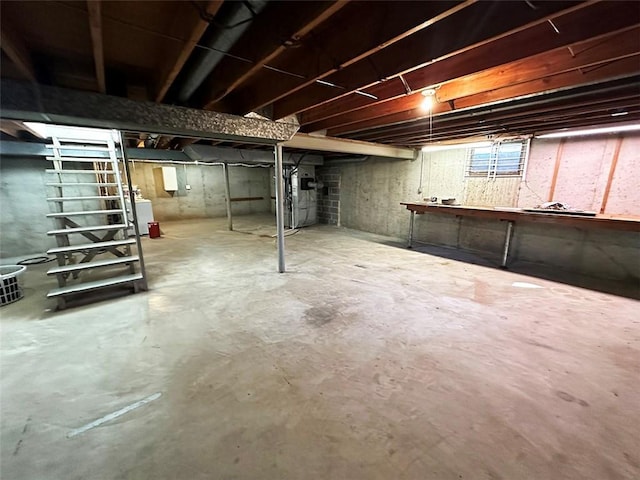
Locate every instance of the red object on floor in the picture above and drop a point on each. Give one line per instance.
(154, 229)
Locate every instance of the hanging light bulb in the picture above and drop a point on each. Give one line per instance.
(429, 97)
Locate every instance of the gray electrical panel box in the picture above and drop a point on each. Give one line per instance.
(301, 196)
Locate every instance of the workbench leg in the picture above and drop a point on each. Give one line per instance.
(413, 217)
(507, 242)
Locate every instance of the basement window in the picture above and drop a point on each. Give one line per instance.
(503, 159)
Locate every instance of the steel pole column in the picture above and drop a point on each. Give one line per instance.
(227, 194)
(411, 221)
(507, 242)
(280, 207)
(134, 213)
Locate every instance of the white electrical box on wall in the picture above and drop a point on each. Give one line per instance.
(169, 179)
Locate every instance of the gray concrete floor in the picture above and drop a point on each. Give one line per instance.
(365, 361)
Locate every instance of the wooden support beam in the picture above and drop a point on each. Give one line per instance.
(612, 172)
(625, 67)
(17, 52)
(174, 65)
(585, 55)
(94, 8)
(556, 169)
(271, 52)
(10, 127)
(521, 127)
(586, 25)
(518, 117)
(380, 25)
(423, 48)
(328, 144)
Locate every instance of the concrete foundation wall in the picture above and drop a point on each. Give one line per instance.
(23, 207)
(206, 198)
(606, 254)
(371, 192)
(444, 177)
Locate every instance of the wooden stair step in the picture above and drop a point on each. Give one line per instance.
(87, 265)
(94, 285)
(91, 228)
(90, 246)
(85, 212)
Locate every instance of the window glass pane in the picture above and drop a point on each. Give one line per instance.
(501, 159)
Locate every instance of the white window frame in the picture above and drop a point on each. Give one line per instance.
(499, 160)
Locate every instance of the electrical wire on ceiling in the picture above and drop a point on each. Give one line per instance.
(211, 19)
(182, 40)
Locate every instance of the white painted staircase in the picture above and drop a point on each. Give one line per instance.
(88, 210)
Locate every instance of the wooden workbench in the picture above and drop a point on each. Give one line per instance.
(513, 215)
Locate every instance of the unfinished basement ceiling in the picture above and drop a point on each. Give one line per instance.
(346, 69)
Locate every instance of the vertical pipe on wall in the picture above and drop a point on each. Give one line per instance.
(280, 207)
(612, 172)
(227, 195)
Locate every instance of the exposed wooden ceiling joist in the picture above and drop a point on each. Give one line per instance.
(597, 102)
(579, 56)
(490, 62)
(13, 46)
(94, 7)
(578, 26)
(269, 51)
(173, 65)
(496, 20)
(527, 114)
(626, 67)
(379, 25)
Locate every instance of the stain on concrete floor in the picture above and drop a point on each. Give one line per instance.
(401, 370)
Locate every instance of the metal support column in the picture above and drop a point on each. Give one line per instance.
(280, 207)
(413, 218)
(227, 194)
(132, 201)
(507, 242)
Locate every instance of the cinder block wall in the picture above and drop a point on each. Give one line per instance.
(329, 195)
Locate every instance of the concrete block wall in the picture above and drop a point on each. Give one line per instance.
(329, 195)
